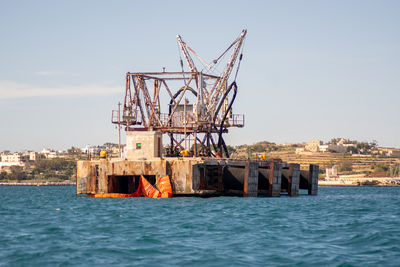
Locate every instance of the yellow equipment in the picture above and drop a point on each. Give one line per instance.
(103, 154)
(185, 153)
(262, 157)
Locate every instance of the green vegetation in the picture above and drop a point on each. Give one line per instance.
(359, 147)
(263, 147)
(57, 169)
(345, 165)
(359, 158)
(379, 168)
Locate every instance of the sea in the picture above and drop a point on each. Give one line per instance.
(341, 226)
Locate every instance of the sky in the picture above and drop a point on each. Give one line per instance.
(310, 69)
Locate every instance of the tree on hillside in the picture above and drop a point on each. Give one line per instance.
(352, 150)
(59, 168)
(3, 175)
(345, 165)
(76, 153)
(17, 173)
(379, 168)
(110, 145)
(231, 149)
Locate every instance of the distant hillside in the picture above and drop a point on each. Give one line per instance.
(372, 162)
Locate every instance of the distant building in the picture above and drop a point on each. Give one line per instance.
(323, 148)
(332, 148)
(313, 146)
(91, 150)
(389, 151)
(34, 156)
(15, 157)
(343, 141)
(48, 153)
(331, 173)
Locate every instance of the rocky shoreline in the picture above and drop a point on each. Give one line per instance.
(367, 181)
(66, 183)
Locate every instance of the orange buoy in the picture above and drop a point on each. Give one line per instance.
(148, 190)
(145, 189)
(139, 190)
(116, 195)
(164, 184)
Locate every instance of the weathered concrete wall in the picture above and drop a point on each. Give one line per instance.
(294, 179)
(313, 180)
(275, 173)
(309, 179)
(191, 176)
(155, 167)
(143, 145)
(290, 181)
(82, 176)
(250, 187)
(92, 176)
(181, 172)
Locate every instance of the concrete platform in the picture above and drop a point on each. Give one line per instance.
(198, 176)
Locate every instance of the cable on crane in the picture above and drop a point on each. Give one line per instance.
(234, 42)
(170, 105)
(221, 141)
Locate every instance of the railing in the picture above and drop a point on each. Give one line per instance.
(236, 120)
(126, 118)
(114, 117)
(177, 120)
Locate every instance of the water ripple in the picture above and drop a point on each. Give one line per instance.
(340, 227)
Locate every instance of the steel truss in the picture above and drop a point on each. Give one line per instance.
(201, 122)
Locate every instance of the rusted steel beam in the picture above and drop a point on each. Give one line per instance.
(178, 144)
(179, 100)
(150, 103)
(145, 92)
(154, 75)
(169, 92)
(161, 73)
(128, 94)
(169, 130)
(137, 100)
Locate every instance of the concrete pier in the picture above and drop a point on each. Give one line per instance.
(250, 182)
(275, 179)
(197, 176)
(291, 179)
(309, 179)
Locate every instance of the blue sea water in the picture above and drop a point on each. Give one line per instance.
(51, 226)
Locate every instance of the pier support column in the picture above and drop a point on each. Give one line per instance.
(250, 183)
(275, 175)
(294, 179)
(220, 179)
(313, 180)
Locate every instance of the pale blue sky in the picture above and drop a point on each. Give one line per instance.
(311, 69)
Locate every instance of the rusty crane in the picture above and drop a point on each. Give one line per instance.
(197, 104)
